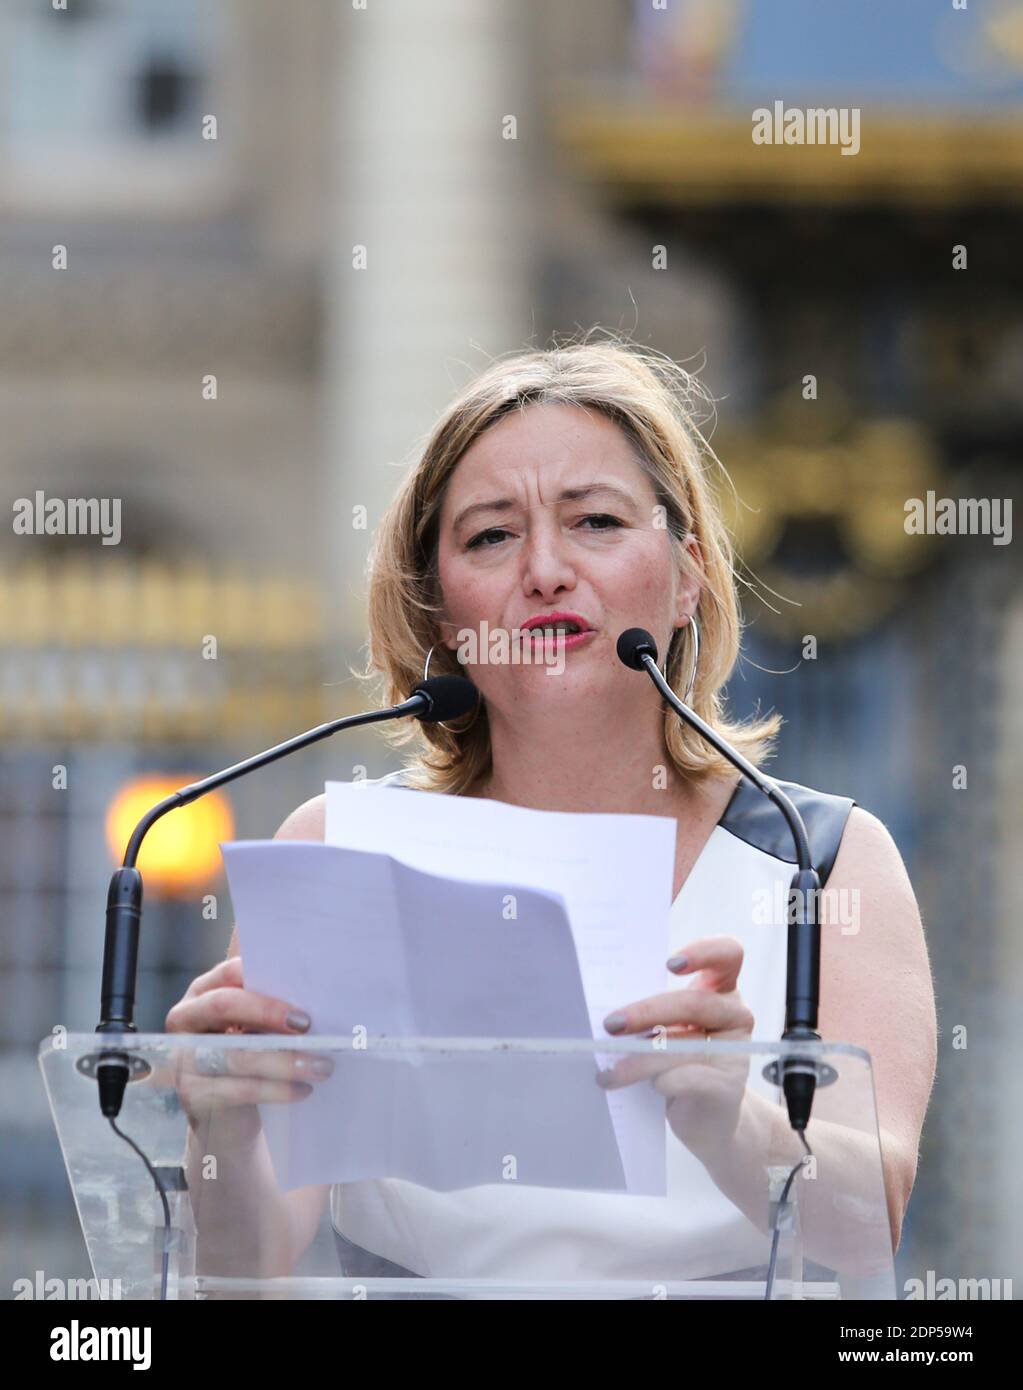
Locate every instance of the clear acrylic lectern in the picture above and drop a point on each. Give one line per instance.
(471, 1168)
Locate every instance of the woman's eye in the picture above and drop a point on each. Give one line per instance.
(476, 540)
(481, 541)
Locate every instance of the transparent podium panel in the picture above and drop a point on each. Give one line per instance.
(257, 1166)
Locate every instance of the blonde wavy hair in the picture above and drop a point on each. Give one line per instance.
(654, 401)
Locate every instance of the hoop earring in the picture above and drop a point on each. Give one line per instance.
(476, 712)
(696, 658)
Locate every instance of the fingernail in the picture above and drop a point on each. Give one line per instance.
(605, 1079)
(678, 962)
(315, 1066)
(298, 1020)
(614, 1023)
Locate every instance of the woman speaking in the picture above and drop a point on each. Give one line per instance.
(565, 494)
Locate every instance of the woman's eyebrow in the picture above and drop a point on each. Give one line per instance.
(569, 494)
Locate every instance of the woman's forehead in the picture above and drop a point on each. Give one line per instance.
(548, 430)
(522, 461)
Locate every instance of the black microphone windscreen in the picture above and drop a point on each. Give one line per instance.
(450, 697)
(633, 645)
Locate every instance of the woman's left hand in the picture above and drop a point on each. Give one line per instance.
(704, 1094)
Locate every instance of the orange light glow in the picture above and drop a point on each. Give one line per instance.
(181, 853)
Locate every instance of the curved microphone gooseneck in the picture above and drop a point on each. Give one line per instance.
(799, 1076)
(433, 700)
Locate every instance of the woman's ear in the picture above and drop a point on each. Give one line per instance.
(447, 633)
(690, 582)
(449, 636)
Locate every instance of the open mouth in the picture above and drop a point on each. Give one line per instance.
(557, 636)
(556, 629)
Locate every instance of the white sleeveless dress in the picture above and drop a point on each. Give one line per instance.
(501, 1231)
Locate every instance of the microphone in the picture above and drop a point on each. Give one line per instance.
(448, 697)
(800, 1075)
(433, 700)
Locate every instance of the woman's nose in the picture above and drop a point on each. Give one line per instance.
(547, 566)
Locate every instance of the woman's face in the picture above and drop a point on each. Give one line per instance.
(526, 550)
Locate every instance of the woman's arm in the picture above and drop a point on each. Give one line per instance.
(245, 1226)
(877, 993)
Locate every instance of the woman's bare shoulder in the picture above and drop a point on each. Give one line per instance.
(306, 822)
(868, 854)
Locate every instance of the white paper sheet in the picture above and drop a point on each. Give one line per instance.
(363, 942)
(615, 873)
(428, 915)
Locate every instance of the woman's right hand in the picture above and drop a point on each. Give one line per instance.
(231, 1082)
